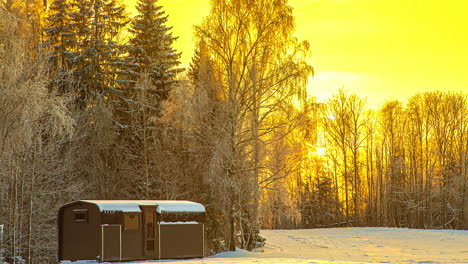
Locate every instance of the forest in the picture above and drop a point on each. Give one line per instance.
(95, 104)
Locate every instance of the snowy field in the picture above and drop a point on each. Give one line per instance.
(349, 245)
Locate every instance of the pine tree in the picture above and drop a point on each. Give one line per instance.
(151, 50)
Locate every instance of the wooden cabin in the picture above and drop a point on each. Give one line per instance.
(111, 230)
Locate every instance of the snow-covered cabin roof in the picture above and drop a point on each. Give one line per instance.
(134, 205)
(179, 206)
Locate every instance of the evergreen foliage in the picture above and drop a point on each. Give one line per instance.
(59, 35)
(99, 56)
(151, 50)
(84, 37)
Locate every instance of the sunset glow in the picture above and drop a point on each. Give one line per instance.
(380, 49)
(321, 151)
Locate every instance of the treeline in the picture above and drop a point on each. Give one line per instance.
(94, 105)
(403, 165)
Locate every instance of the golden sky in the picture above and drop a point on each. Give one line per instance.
(380, 49)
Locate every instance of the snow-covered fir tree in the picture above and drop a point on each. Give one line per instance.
(59, 34)
(150, 74)
(100, 51)
(61, 41)
(84, 37)
(151, 50)
(194, 67)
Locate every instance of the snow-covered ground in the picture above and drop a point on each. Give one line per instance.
(352, 245)
(367, 245)
(349, 245)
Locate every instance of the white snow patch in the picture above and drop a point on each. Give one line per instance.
(120, 205)
(179, 206)
(134, 205)
(179, 223)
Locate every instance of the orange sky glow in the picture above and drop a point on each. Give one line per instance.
(379, 49)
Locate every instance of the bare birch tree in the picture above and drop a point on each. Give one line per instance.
(261, 66)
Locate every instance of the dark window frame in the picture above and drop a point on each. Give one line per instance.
(81, 216)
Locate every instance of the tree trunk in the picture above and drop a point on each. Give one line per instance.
(30, 217)
(232, 229)
(345, 161)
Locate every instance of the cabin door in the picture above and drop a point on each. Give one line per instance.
(111, 242)
(150, 237)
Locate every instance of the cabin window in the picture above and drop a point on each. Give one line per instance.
(80, 215)
(131, 222)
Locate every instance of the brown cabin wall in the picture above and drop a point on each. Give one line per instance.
(79, 240)
(181, 240)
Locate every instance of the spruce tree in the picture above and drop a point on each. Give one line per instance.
(81, 36)
(61, 43)
(104, 52)
(194, 67)
(96, 66)
(151, 50)
(58, 33)
(150, 73)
